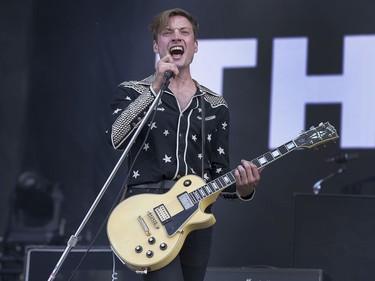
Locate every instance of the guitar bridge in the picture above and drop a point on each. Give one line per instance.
(144, 225)
(162, 213)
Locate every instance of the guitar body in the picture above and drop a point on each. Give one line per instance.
(147, 231)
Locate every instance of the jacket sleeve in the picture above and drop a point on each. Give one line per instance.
(128, 108)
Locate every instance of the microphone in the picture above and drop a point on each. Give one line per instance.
(168, 75)
(343, 158)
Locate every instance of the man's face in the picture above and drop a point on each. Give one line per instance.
(177, 39)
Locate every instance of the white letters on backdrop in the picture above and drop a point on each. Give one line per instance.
(292, 89)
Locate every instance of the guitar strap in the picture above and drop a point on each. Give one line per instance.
(203, 132)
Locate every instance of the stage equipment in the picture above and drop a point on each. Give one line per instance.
(335, 233)
(35, 214)
(100, 264)
(342, 159)
(262, 274)
(34, 219)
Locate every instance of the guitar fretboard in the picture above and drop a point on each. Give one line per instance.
(228, 179)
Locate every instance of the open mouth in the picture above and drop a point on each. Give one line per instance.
(176, 50)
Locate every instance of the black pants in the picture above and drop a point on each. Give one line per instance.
(191, 263)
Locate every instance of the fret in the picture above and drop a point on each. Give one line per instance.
(226, 179)
(275, 153)
(282, 149)
(202, 192)
(221, 181)
(232, 177)
(208, 190)
(262, 160)
(269, 157)
(215, 186)
(218, 183)
(256, 163)
(192, 198)
(290, 145)
(197, 195)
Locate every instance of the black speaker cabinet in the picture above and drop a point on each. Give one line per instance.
(262, 274)
(335, 233)
(96, 266)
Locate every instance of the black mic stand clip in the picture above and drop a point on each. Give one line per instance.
(317, 185)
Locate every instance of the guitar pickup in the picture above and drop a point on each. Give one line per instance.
(162, 213)
(185, 200)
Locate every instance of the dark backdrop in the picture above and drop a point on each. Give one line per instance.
(61, 62)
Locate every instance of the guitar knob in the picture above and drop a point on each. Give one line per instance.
(163, 246)
(151, 240)
(138, 249)
(149, 254)
(187, 183)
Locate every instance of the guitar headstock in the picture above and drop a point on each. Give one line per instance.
(316, 136)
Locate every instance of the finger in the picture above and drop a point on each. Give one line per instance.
(167, 58)
(238, 176)
(252, 172)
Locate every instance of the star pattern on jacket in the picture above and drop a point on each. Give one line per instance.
(116, 111)
(220, 150)
(136, 174)
(153, 125)
(167, 158)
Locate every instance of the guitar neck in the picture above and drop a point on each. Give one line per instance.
(228, 179)
(315, 136)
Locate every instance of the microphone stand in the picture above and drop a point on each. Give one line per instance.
(317, 185)
(72, 242)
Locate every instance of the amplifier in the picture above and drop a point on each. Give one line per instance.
(262, 274)
(98, 264)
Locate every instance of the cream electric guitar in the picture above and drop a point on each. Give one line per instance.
(147, 231)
